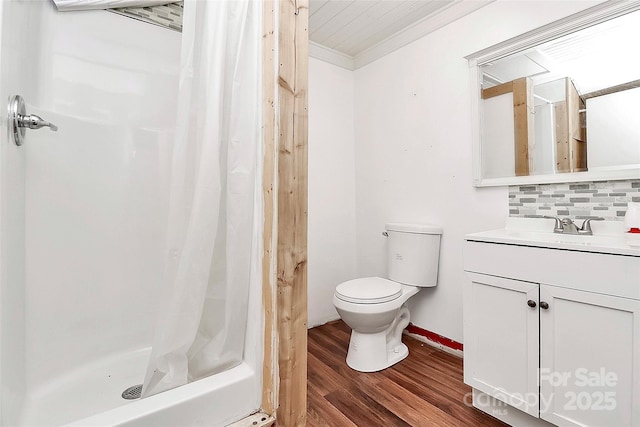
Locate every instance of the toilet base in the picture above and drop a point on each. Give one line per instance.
(367, 352)
(371, 352)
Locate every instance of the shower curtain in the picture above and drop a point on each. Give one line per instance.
(213, 226)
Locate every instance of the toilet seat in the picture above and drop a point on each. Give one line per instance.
(368, 290)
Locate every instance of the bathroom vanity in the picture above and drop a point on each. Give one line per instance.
(552, 324)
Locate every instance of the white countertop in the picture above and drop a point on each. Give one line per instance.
(608, 236)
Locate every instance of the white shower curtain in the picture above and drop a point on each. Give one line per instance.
(212, 228)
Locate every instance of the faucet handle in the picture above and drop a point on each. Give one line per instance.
(557, 228)
(34, 121)
(586, 225)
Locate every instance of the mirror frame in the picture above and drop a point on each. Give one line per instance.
(584, 19)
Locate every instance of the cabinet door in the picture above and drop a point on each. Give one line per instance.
(589, 358)
(501, 352)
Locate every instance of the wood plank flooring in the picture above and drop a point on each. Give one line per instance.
(425, 389)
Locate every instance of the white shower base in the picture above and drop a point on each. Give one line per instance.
(91, 396)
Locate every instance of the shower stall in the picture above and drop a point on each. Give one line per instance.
(83, 228)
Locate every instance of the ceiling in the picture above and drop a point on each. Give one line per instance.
(352, 33)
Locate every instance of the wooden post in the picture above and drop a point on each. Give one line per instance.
(292, 212)
(571, 147)
(577, 140)
(563, 152)
(523, 122)
(269, 367)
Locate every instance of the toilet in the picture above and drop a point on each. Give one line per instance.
(374, 308)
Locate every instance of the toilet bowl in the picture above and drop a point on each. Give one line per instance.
(374, 307)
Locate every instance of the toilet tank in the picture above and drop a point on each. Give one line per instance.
(413, 251)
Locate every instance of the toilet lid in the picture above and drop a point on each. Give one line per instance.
(368, 290)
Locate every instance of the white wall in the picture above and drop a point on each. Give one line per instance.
(332, 224)
(498, 125)
(544, 159)
(413, 148)
(613, 129)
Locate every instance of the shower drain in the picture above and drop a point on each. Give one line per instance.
(132, 392)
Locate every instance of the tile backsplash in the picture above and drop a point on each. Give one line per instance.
(608, 199)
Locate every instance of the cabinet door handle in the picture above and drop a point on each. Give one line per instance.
(544, 305)
(531, 303)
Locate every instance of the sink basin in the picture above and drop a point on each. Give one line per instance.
(536, 232)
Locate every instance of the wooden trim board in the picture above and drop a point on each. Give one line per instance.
(498, 90)
(435, 338)
(269, 367)
(613, 89)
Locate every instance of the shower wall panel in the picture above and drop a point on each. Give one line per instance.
(96, 190)
(16, 77)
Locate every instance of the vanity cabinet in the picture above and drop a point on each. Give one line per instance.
(501, 345)
(589, 358)
(561, 347)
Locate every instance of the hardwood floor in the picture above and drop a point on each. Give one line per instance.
(425, 389)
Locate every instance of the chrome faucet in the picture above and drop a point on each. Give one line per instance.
(567, 226)
(586, 225)
(20, 121)
(34, 122)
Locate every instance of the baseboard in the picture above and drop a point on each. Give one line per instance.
(259, 419)
(434, 340)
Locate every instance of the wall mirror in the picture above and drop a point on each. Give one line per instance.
(560, 103)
